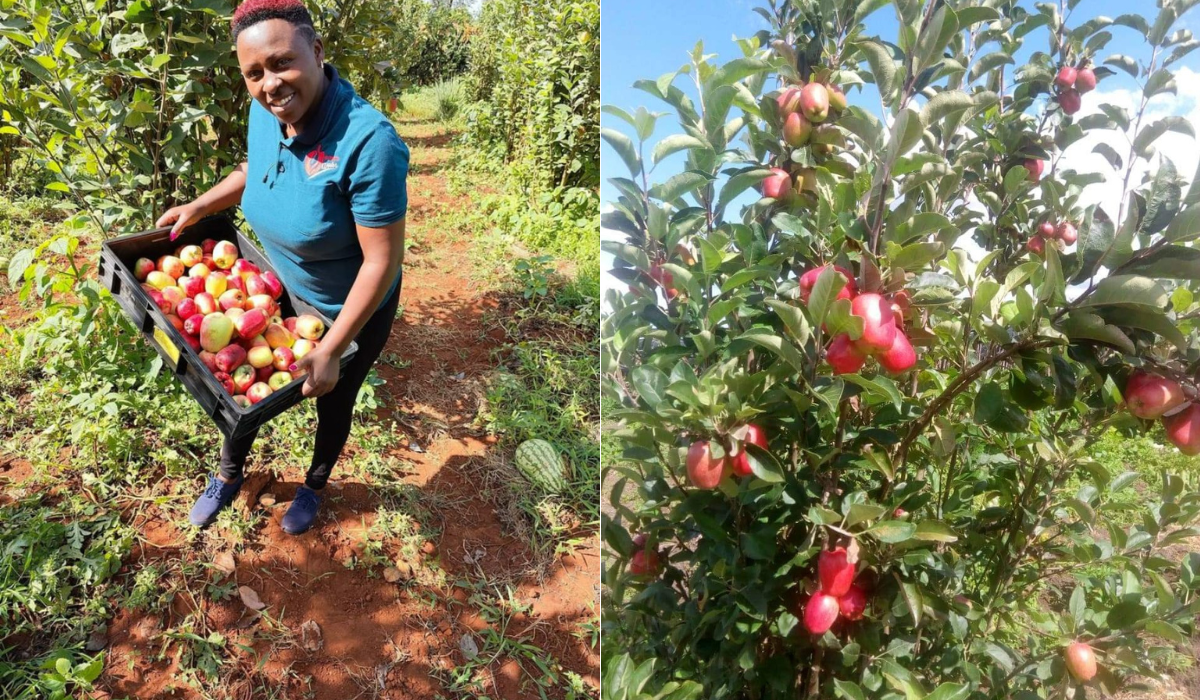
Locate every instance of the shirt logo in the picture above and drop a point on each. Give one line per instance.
(317, 162)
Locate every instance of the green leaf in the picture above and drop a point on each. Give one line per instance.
(840, 320)
(1086, 326)
(624, 147)
(883, 66)
(1127, 290)
(949, 691)
(737, 69)
(944, 104)
(882, 387)
(651, 385)
(1185, 227)
(1125, 63)
(763, 464)
(934, 531)
(793, 318)
(678, 185)
(1150, 133)
(862, 512)
(892, 531)
(829, 284)
(1125, 615)
(1167, 631)
(916, 604)
(848, 690)
(1150, 320)
(918, 255)
(765, 337)
(675, 143)
(17, 266)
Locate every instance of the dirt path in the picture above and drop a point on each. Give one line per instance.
(372, 638)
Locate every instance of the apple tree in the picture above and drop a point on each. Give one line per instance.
(864, 354)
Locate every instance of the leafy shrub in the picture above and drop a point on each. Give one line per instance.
(963, 485)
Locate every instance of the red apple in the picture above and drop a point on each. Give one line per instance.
(216, 330)
(900, 357)
(844, 356)
(162, 304)
(186, 309)
(283, 358)
(1046, 229)
(206, 303)
(1034, 166)
(279, 337)
(1066, 232)
(225, 381)
(207, 245)
(262, 374)
(232, 299)
(704, 471)
(290, 324)
(142, 268)
(1150, 396)
(263, 302)
(258, 391)
(1085, 80)
(1183, 429)
(809, 280)
(820, 613)
(273, 284)
(644, 561)
(755, 435)
(224, 254)
(1070, 101)
(778, 184)
(174, 295)
(175, 321)
(1081, 661)
(241, 401)
(853, 603)
(256, 285)
(193, 342)
(814, 102)
(879, 323)
(251, 323)
(209, 359)
(199, 270)
(230, 358)
(310, 327)
(191, 325)
(835, 572)
(1037, 244)
(244, 268)
(796, 130)
(172, 265)
(191, 286)
(243, 378)
(837, 99)
(788, 101)
(260, 357)
(235, 282)
(1065, 79)
(302, 347)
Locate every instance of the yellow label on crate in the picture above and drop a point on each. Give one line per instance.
(160, 337)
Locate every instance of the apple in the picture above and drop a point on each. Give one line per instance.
(232, 299)
(777, 184)
(704, 471)
(273, 284)
(1085, 80)
(209, 359)
(235, 282)
(174, 295)
(1034, 166)
(1046, 229)
(1066, 232)
(225, 381)
(175, 321)
(193, 342)
(899, 513)
(820, 613)
(1036, 244)
(199, 270)
(162, 304)
(837, 99)
(814, 102)
(207, 245)
(191, 325)
(160, 280)
(284, 358)
(186, 309)
(788, 101)
(264, 302)
(206, 303)
(243, 378)
(224, 254)
(279, 380)
(259, 341)
(142, 268)
(879, 323)
(215, 332)
(844, 356)
(262, 374)
(900, 357)
(290, 324)
(302, 347)
(241, 401)
(216, 283)
(835, 572)
(1070, 101)
(809, 280)
(310, 327)
(278, 337)
(251, 323)
(256, 285)
(191, 286)
(853, 603)
(230, 358)
(260, 357)
(1183, 429)
(1081, 661)
(755, 435)
(644, 561)
(796, 130)
(234, 314)
(172, 265)
(1065, 79)
(191, 255)
(258, 391)
(1150, 396)
(244, 268)
(208, 262)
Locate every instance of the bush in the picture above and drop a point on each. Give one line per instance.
(958, 485)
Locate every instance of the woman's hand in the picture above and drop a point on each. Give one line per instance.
(322, 369)
(182, 216)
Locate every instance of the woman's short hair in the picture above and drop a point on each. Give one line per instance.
(252, 12)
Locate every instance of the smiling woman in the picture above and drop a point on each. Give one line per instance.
(329, 210)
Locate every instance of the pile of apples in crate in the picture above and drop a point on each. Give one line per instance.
(227, 309)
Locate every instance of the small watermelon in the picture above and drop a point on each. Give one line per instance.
(542, 465)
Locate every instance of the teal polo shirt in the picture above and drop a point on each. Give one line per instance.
(305, 194)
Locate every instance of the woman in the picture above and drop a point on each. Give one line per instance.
(323, 187)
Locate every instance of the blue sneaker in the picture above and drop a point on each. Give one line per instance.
(217, 496)
(301, 515)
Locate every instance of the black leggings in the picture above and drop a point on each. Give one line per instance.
(335, 410)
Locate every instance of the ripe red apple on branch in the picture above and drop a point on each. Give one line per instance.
(820, 613)
(752, 435)
(1081, 661)
(835, 571)
(703, 470)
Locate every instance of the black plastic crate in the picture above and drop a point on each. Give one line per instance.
(117, 257)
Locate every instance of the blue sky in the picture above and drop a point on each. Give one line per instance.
(647, 38)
